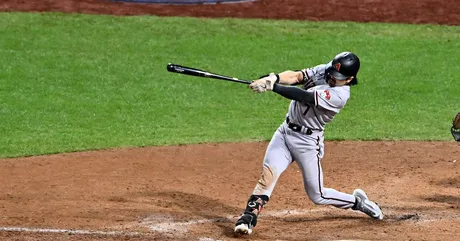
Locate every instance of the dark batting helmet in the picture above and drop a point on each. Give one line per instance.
(343, 66)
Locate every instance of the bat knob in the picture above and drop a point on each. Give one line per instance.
(170, 67)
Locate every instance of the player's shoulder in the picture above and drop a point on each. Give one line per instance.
(336, 96)
(342, 91)
(314, 76)
(338, 89)
(318, 69)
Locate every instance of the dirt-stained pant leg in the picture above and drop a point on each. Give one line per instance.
(276, 161)
(308, 152)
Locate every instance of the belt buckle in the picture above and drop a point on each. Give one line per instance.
(298, 128)
(294, 127)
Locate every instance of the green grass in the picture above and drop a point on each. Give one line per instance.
(78, 82)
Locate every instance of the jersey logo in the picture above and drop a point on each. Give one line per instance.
(327, 95)
(337, 66)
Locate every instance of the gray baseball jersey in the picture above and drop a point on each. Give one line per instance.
(328, 100)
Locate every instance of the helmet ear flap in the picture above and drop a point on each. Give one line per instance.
(354, 81)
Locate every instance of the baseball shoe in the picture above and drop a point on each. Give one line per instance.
(244, 224)
(366, 206)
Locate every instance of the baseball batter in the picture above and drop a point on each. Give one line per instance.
(325, 91)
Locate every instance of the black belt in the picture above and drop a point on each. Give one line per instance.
(298, 128)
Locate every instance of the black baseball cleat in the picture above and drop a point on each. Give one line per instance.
(245, 223)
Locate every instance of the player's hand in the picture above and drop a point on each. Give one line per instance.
(258, 86)
(265, 83)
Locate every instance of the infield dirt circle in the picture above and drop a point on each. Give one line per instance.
(196, 192)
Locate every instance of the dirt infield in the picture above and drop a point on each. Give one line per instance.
(195, 192)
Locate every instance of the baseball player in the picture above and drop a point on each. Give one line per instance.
(325, 91)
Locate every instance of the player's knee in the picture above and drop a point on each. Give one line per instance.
(316, 198)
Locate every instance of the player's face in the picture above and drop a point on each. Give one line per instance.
(336, 82)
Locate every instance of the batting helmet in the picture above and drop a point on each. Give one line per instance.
(343, 66)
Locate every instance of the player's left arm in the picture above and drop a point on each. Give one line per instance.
(295, 93)
(326, 98)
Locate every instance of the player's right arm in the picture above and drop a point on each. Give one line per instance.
(290, 77)
(303, 77)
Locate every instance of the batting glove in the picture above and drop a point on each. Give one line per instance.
(265, 83)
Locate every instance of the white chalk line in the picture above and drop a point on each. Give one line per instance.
(71, 231)
(162, 224)
(83, 232)
(154, 223)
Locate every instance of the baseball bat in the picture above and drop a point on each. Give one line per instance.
(201, 73)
